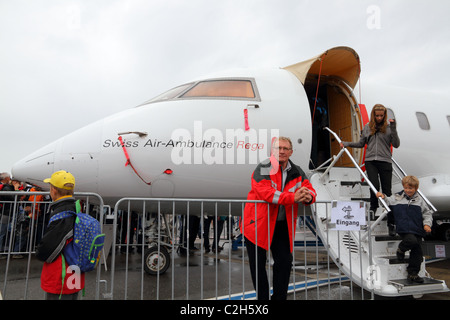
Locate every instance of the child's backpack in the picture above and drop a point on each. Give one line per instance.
(85, 248)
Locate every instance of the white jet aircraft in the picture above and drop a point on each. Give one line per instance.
(204, 138)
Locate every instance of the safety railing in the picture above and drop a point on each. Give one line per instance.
(383, 203)
(164, 254)
(356, 165)
(158, 249)
(427, 201)
(23, 220)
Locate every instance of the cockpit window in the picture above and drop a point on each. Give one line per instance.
(235, 89)
(222, 88)
(172, 93)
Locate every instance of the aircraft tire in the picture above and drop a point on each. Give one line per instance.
(155, 262)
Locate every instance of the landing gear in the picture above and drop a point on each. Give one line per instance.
(156, 262)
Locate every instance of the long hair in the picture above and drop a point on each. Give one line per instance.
(373, 123)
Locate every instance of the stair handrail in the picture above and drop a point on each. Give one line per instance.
(381, 200)
(428, 202)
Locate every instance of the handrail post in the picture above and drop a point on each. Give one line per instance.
(332, 164)
(359, 169)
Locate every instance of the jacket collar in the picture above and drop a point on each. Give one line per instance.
(404, 195)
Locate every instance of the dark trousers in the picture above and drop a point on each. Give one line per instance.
(282, 256)
(216, 232)
(414, 243)
(192, 223)
(52, 296)
(380, 171)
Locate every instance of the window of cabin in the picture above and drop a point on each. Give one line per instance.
(423, 121)
(222, 89)
(448, 119)
(390, 114)
(171, 94)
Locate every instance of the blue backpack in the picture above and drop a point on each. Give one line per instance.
(84, 250)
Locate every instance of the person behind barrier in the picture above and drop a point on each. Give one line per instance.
(283, 185)
(58, 281)
(218, 223)
(21, 227)
(413, 219)
(6, 207)
(378, 135)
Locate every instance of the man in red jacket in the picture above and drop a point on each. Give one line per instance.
(282, 185)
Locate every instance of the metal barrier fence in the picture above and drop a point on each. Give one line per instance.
(159, 249)
(23, 220)
(176, 261)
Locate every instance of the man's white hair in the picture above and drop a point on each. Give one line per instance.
(4, 175)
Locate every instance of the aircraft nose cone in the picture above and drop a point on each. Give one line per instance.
(35, 167)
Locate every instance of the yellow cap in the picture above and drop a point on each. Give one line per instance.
(59, 179)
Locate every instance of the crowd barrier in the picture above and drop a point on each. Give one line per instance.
(165, 249)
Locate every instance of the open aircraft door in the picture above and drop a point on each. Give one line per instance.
(329, 80)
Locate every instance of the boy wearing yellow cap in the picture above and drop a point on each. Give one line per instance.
(57, 235)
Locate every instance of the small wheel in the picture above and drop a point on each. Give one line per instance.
(155, 262)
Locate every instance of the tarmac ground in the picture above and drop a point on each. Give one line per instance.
(184, 282)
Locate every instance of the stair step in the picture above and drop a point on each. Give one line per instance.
(353, 183)
(395, 260)
(404, 286)
(387, 238)
(360, 199)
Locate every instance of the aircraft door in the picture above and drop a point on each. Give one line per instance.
(340, 121)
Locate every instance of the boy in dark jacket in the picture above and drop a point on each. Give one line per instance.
(413, 219)
(58, 280)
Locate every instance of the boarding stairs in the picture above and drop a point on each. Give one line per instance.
(372, 262)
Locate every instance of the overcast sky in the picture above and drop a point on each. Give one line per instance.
(65, 64)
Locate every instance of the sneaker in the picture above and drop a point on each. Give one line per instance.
(400, 254)
(414, 277)
(17, 256)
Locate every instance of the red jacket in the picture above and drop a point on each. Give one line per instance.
(266, 185)
(51, 278)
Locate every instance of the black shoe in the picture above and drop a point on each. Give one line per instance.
(391, 229)
(414, 277)
(400, 255)
(218, 249)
